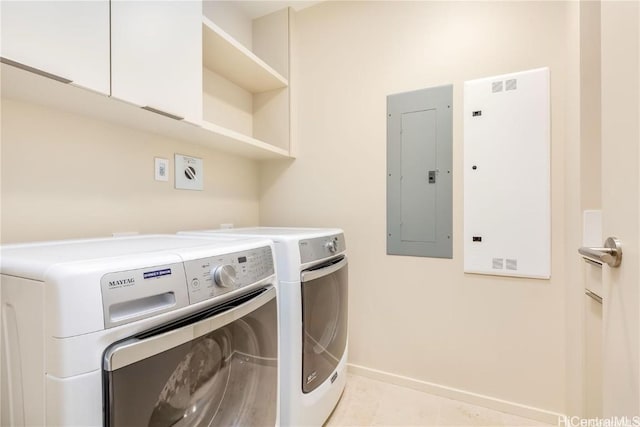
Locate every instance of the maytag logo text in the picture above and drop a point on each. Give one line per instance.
(130, 281)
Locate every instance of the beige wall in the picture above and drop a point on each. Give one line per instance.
(418, 317)
(65, 176)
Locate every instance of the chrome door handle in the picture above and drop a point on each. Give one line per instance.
(310, 275)
(135, 349)
(611, 254)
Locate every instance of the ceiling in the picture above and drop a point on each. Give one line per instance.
(258, 8)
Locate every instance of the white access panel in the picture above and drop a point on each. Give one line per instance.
(507, 217)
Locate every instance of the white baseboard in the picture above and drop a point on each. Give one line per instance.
(457, 394)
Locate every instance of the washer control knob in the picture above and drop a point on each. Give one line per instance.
(332, 246)
(224, 276)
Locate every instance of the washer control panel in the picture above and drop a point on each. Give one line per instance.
(214, 276)
(321, 247)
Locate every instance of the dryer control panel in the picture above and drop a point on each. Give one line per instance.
(321, 247)
(214, 276)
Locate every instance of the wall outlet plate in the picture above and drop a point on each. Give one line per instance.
(189, 173)
(161, 169)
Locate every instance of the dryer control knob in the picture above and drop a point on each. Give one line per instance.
(331, 246)
(224, 276)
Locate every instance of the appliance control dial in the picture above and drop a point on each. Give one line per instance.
(331, 246)
(217, 275)
(224, 276)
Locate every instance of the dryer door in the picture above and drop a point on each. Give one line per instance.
(324, 321)
(217, 367)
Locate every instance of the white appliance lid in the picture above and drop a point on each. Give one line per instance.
(275, 233)
(32, 260)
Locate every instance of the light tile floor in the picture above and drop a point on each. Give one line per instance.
(367, 402)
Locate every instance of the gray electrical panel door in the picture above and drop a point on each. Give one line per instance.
(419, 175)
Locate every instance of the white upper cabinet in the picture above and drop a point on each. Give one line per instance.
(163, 56)
(156, 56)
(69, 40)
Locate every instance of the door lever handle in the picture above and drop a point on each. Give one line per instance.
(611, 254)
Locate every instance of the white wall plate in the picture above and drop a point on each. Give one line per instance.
(161, 172)
(189, 173)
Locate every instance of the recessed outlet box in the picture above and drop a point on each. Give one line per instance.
(189, 173)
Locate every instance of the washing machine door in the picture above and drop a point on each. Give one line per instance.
(217, 367)
(324, 321)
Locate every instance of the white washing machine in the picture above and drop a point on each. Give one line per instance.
(312, 299)
(144, 330)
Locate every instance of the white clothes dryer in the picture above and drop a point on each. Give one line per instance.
(143, 330)
(313, 310)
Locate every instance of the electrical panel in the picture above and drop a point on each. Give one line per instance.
(507, 214)
(419, 173)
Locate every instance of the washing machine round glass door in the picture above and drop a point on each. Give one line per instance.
(324, 320)
(216, 367)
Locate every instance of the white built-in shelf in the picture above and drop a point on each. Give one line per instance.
(227, 57)
(25, 86)
(247, 143)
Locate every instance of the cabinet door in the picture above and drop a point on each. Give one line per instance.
(156, 55)
(69, 39)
